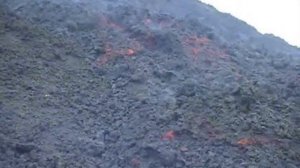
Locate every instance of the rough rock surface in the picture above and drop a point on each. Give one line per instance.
(143, 84)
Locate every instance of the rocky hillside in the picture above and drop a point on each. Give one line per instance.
(142, 84)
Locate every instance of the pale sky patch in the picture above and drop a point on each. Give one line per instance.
(278, 17)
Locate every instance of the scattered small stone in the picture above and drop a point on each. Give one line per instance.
(24, 148)
(184, 149)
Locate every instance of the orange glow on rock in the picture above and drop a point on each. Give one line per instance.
(112, 50)
(246, 141)
(196, 41)
(170, 135)
(196, 51)
(135, 162)
(147, 21)
(196, 46)
(257, 140)
(130, 52)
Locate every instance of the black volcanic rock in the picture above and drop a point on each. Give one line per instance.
(162, 83)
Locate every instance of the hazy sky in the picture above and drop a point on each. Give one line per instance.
(279, 17)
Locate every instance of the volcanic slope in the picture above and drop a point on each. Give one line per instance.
(137, 84)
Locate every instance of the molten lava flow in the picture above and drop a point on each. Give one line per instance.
(246, 141)
(107, 55)
(133, 47)
(196, 46)
(114, 49)
(170, 135)
(257, 140)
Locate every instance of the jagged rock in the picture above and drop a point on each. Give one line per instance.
(24, 148)
(100, 83)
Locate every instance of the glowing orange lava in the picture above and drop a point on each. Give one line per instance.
(196, 46)
(130, 52)
(256, 140)
(170, 135)
(246, 141)
(116, 50)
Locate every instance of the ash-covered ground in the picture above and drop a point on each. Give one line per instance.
(143, 84)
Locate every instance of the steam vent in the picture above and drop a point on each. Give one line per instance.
(143, 84)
